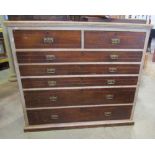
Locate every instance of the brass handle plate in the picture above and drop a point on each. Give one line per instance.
(50, 70)
(50, 57)
(112, 69)
(52, 83)
(54, 116)
(111, 82)
(109, 97)
(115, 41)
(113, 56)
(108, 113)
(53, 98)
(48, 40)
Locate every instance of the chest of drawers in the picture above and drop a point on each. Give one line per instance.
(78, 74)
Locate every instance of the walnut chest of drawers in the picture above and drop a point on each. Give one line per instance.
(78, 74)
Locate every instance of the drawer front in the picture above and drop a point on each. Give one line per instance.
(79, 56)
(46, 116)
(47, 98)
(107, 39)
(47, 39)
(43, 70)
(78, 81)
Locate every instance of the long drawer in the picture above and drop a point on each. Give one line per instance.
(114, 39)
(79, 56)
(47, 39)
(70, 97)
(42, 70)
(46, 116)
(78, 81)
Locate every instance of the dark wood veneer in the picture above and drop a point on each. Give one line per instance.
(66, 97)
(78, 81)
(102, 39)
(79, 56)
(37, 117)
(35, 38)
(41, 70)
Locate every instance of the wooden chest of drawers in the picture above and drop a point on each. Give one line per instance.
(73, 74)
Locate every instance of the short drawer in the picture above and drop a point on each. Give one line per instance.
(113, 39)
(46, 116)
(47, 39)
(71, 97)
(78, 81)
(43, 70)
(79, 56)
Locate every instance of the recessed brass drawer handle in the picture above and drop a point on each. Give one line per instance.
(50, 70)
(111, 82)
(108, 113)
(53, 98)
(109, 97)
(115, 41)
(113, 56)
(48, 40)
(52, 83)
(54, 116)
(50, 57)
(112, 69)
